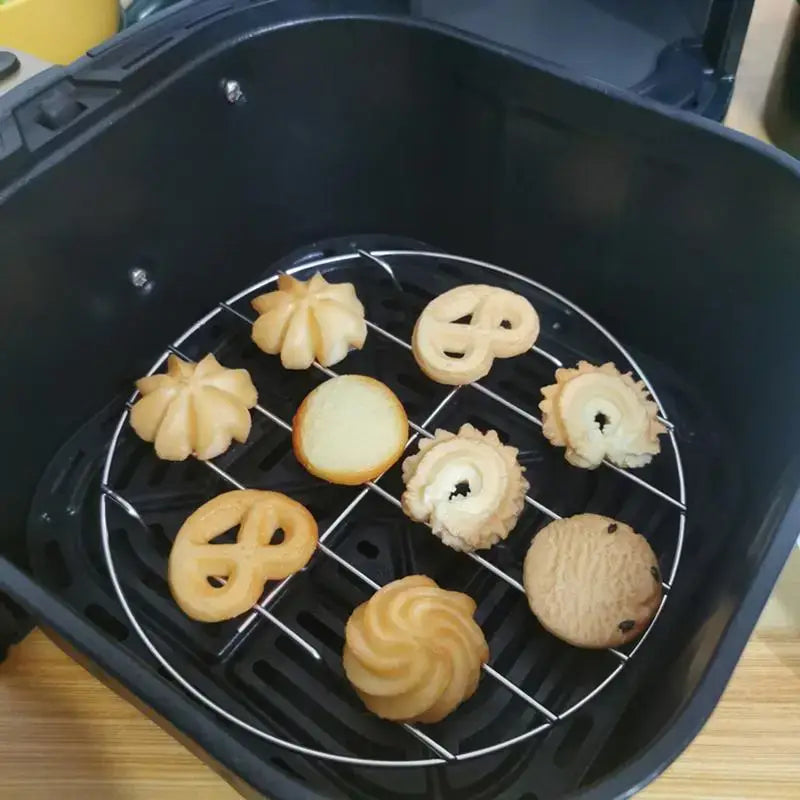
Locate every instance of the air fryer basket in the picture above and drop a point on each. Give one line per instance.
(169, 191)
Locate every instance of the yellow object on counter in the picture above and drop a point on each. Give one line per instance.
(57, 31)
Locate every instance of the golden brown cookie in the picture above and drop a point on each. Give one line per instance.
(194, 408)
(413, 651)
(592, 581)
(468, 487)
(307, 320)
(242, 569)
(598, 413)
(500, 324)
(349, 430)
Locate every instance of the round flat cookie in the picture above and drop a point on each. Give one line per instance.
(349, 430)
(592, 581)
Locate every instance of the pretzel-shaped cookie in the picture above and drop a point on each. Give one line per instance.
(502, 324)
(246, 565)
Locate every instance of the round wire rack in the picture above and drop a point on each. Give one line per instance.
(387, 261)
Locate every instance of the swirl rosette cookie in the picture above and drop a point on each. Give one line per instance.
(413, 652)
(194, 408)
(307, 320)
(468, 487)
(600, 413)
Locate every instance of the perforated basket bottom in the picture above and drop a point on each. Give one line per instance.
(262, 677)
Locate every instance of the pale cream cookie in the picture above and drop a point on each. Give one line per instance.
(468, 487)
(499, 324)
(600, 413)
(308, 320)
(349, 430)
(194, 409)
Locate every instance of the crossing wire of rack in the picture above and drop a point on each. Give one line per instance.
(382, 260)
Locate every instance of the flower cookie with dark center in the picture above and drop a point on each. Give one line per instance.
(468, 487)
(599, 413)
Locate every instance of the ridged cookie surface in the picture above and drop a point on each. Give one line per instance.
(413, 651)
(592, 581)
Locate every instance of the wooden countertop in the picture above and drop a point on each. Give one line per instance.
(65, 735)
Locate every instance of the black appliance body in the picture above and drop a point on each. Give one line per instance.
(352, 122)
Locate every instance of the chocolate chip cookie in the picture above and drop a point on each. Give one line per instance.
(592, 581)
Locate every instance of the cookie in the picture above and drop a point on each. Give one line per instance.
(413, 652)
(468, 487)
(214, 582)
(194, 409)
(349, 430)
(599, 413)
(307, 320)
(592, 581)
(459, 334)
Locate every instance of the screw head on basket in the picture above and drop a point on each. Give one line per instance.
(233, 91)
